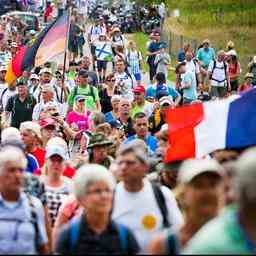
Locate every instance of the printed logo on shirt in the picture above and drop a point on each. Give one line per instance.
(149, 222)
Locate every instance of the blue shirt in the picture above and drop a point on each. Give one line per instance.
(151, 92)
(150, 140)
(109, 117)
(206, 56)
(189, 93)
(17, 232)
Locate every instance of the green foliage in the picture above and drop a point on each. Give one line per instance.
(216, 12)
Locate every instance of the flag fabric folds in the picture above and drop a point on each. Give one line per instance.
(48, 44)
(199, 129)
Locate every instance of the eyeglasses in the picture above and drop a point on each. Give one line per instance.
(127, 162)
(99, 192)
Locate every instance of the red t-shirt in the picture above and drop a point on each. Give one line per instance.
(39, 154)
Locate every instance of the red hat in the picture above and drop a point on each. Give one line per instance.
(47, 122)
(139, 88)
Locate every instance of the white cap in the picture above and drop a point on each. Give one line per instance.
(194, 167)
(231, 53)
(166, 100)
(55, 150)
(45, 70)
(14, 44)
(34, 76)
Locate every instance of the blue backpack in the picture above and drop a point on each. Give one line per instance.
(74, 234)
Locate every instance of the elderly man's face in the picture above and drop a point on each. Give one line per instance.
(11, 177)
(132, 170)
(124, 107)
(120, 67)
(47, 95)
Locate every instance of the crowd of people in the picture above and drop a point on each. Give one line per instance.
(82, 151)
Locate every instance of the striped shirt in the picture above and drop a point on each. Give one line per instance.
(133, 59)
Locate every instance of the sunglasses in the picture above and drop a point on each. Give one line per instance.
(111, 80)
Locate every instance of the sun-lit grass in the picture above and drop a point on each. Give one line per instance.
(141, 41)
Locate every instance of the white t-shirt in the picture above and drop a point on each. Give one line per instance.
(7, 95)
(194, 69)
(127, 83)
(140, 212)
(218, 74)
(103, 50)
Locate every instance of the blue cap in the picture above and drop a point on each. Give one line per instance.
(161, 91)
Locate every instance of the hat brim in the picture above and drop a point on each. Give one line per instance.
(106, 143)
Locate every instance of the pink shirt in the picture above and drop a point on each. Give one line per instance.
(81, 120)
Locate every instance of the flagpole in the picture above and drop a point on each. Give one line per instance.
(65, 55)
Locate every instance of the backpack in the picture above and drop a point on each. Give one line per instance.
(74, 234)
(225, 69)
(159, 196)
(90, 94)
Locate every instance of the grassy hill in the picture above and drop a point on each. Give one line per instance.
(218, 20)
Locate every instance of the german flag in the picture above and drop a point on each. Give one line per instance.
(50, 42)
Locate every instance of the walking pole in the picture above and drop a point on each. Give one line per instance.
(65, 57)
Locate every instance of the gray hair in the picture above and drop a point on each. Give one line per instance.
(245, 176)
(12, 154)
(10, 133)
(89, 174)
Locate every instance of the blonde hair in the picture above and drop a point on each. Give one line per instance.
(76, 107)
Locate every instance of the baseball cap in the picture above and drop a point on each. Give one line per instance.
(194, 167)
(161, 91)
(83, 73)
(34, 76)
(21, 81)
(47, 122)
(80, 97)
(139, 89)
(166, 100)
(52, 150)
(45, 70)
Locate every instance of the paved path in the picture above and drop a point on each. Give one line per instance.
(145, 76)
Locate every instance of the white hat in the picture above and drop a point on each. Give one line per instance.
(231, 53)
(34, 76)
(55, 150)
(45, 70)
(166, 100)
(3, 68)
(194, 167)
(254, 59)
(14, 44)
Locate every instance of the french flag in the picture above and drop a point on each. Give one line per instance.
(201, 128)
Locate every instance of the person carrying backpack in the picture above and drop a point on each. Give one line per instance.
(218, 76)
(90, 92)
(140, 205)
(93, 231)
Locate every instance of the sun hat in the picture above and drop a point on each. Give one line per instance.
(194, 167)
(99, 139)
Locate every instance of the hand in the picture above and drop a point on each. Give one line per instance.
(58, 119)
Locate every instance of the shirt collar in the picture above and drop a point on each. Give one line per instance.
(20, 200)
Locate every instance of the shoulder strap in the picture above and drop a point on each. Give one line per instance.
(2, 95)
(34, 220)
(92, 92)
(161, 204)
(74, 233)
(122, 232)
(214, 66)
(172, 246)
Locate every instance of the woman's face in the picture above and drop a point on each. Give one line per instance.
(98, 198)
(56, 164)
